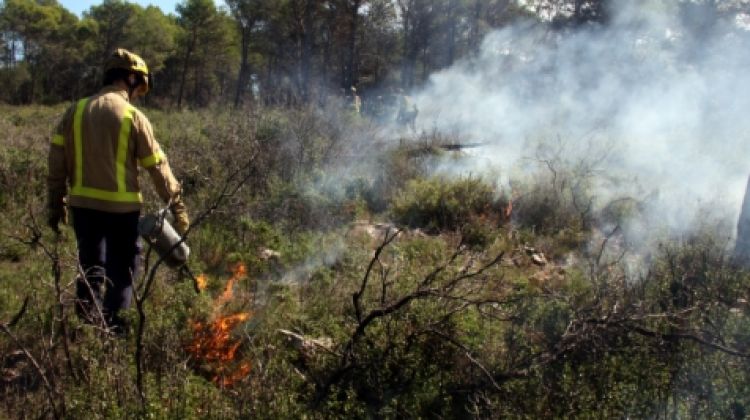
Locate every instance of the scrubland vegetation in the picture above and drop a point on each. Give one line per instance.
(372, 288)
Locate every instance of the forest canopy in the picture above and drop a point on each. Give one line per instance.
(276, 52)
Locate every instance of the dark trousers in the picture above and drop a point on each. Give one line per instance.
(108, 250)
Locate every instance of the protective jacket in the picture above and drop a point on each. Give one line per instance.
(96, 150)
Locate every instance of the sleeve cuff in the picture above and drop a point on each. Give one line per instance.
(152, 160)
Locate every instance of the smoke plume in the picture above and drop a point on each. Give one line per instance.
(659, 97)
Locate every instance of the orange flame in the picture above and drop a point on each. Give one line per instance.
(238, 272)
(202, 281)
(213, 345)
(508, 211)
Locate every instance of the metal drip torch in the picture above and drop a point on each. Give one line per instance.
(156, 230)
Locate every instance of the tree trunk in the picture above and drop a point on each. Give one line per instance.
(307, 50)
(13, 52)
(474, 33)
(185, 66)
(742, 245)
(33, 78)
(407, 65)
(452, 18)
(350, 74)
(327, 53)
(244, 66)
(195, 98)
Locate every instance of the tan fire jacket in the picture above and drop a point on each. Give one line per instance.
(96, 150)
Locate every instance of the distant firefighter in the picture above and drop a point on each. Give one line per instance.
(407, 111)
(355, 102)
(352, 101)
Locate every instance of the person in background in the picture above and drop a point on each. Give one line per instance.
(407, 111)
(355, 101)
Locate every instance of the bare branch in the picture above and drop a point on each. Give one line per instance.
(357, 296)
(469, 356)
(37, 367)
(17, 317)
(690, 336)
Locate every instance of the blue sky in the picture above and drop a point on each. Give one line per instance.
(80, 6)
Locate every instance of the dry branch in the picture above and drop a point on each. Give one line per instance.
(5, 328)
(426, 288)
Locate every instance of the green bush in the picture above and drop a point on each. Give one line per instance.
(439, 204)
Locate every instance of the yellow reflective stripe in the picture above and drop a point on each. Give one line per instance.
(121, 197)
(152, 160)
(58, 139)
(78, 140)
(122, 147)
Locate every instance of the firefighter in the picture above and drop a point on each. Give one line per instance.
(355, 103)
(407, 111)
(93, 170)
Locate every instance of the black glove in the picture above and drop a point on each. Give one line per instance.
(55, 215)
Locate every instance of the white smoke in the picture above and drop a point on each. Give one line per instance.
(667, 93)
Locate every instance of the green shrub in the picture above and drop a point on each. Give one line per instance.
(439, 204)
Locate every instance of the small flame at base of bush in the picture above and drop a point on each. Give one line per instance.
(213, 347)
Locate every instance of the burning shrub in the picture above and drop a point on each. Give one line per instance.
(214, 348)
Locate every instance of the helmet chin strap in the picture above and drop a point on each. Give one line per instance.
(132, 86)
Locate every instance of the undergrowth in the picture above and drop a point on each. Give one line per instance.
(373, 289)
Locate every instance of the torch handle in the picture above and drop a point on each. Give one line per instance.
(185, 269)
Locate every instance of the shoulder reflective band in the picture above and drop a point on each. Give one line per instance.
(121, 195)
(58, 139)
